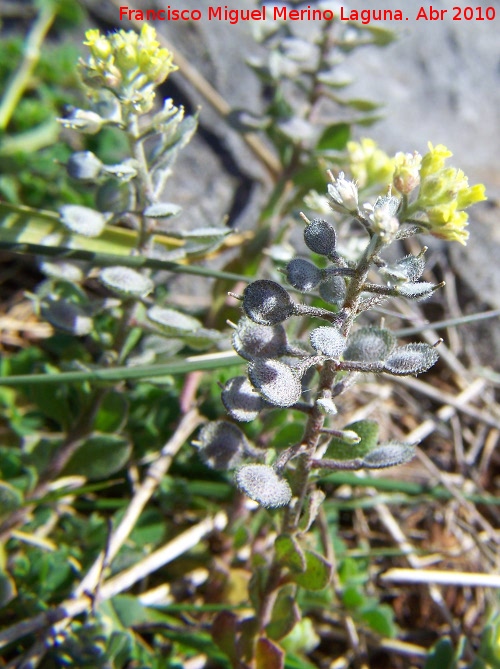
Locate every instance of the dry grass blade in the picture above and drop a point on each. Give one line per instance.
(441, 577)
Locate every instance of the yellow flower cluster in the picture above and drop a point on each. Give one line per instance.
(369, 165)
(128, 64)
(443, 192)
(443, 195)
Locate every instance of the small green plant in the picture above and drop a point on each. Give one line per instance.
(428, 196)
(88, 505)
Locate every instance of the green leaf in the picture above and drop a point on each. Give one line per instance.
(353, 597)
(7, 589)
(367, 430)
(150, 528)
(334, 137)
(112, 414)
(317, 573)
(224, 633)
(130, 611)
(441, 655)
(489, 649)
(289, 553)
(284, 616)
(381, 620)
(268, 655)
(10, 499)
(302, 639)
(99, 457)
(361, 104)
(289, 434)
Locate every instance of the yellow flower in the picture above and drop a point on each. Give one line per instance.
(443, 195)
(369, 165)
(128, 64)
(434, 160)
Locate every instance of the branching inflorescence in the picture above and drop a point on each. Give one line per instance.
(430, 197)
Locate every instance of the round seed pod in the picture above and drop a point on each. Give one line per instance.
(389, 455)
(369, 344)
(126, 281)
(276, 382)
(320, 237)
(221, 444)
(333, 290)
(172, 322)
(267, 303)
(411, 359)
(328, 341)
(241, 400)
(303, 275)
(263, 485)
(65, 316)
(259, 341)
(84, 165)
(416, 291)
(83, 220)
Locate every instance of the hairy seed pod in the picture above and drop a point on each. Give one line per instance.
(389, 455)
(83, 220)
(411, 359)
(84, 165)
(328, 341)
(222, 445)
(369, 344)
(126, 281)
(417, 291)
(259, 341)
(320, 237)
(303, 275)
(333, 290)
(263, 485)
(267, 303)
(65, 316)
(241, 400)
(172, 322)
(278, 383)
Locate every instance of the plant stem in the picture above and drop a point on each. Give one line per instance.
(20, 79)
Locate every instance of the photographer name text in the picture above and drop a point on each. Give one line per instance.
(284, 13)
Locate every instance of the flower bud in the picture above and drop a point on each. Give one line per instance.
(344, 193)
(407, 172)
